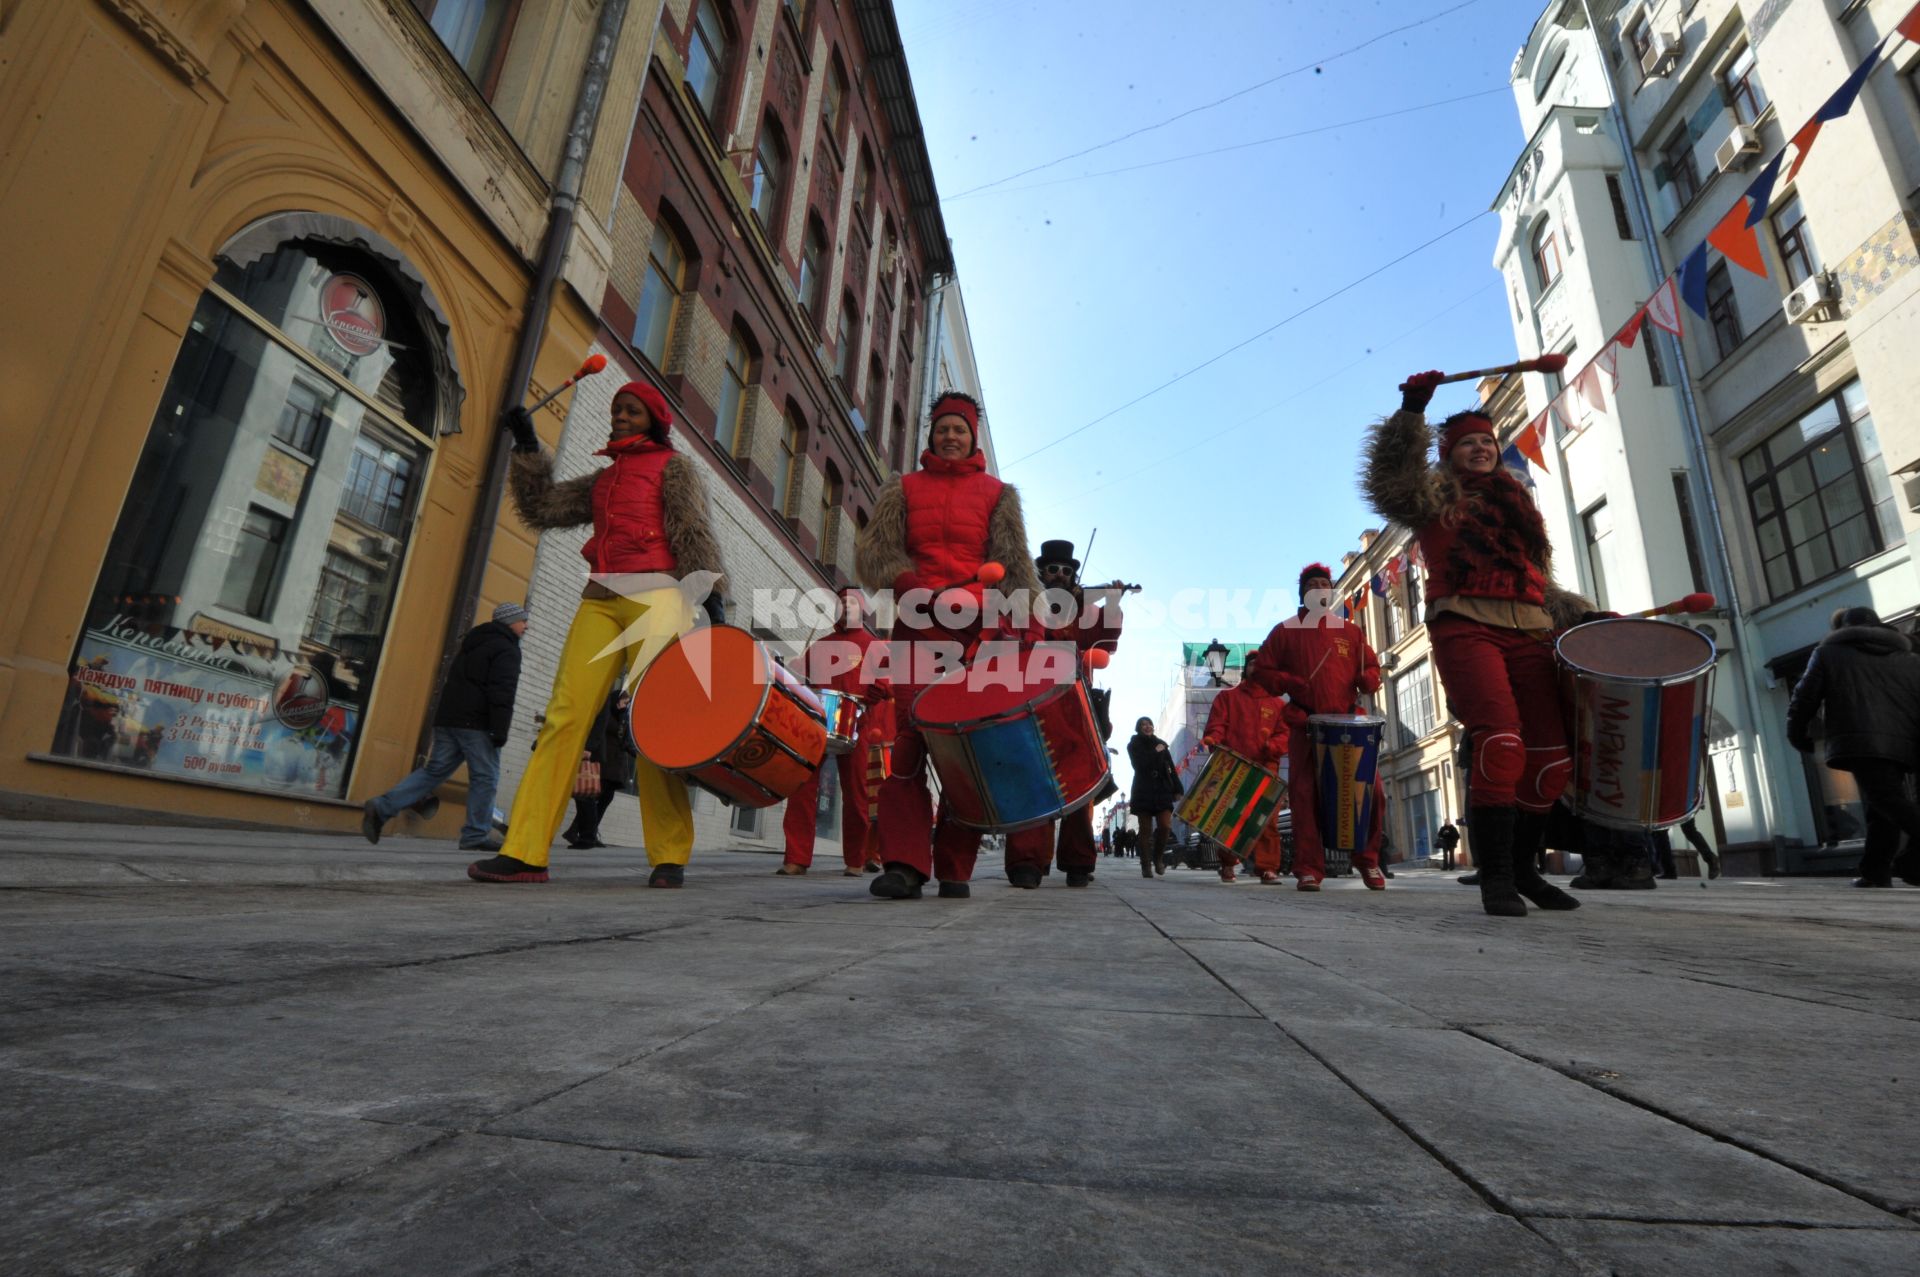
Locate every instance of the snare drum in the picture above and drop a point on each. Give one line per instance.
(716, 708)
(1637, 694)
(842, 710)
(1232, 801)
(1346, 761)
(1013, 758)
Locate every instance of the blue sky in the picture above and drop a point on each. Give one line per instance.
(1085, 293)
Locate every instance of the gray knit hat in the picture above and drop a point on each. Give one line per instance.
(508, 613)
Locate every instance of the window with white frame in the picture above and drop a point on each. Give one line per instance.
(1413, 710)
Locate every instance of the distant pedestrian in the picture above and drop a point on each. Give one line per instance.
(1865, 677)
(1447, 840)
(475, 714)
(610, 751)
(1156, 788)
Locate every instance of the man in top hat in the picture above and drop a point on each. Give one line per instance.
(1322, 663)
(1031, 851)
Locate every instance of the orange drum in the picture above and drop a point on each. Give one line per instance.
(716, 708)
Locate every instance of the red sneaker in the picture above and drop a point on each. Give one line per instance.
(1307, 883)
(1371, 875)
(1268, 878)
(1227, 874)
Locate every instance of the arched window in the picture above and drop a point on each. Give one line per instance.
(863, 190)
(708, 50)
(876, 400)
(793, 458)
(769, 175)
(847, 340)
(729, 426)
(241, 608)
(897, 440)
(830, 490)
(1546, 254)
(833, 100)
(660, 290)
(813, 271)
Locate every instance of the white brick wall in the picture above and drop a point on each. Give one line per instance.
(755, 559)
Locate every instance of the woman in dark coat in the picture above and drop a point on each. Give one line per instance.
(1866, 678)
(1156, 788)
(606, 746)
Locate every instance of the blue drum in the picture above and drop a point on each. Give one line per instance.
(1346, 762)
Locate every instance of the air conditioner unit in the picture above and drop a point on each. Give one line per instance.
(1662, 55)
(1741, 145)
(1818, 298)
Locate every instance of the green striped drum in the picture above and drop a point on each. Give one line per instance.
(1232, 801)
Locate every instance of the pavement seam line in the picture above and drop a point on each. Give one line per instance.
(1699, 1128)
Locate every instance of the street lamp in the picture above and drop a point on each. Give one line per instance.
(1216, 660)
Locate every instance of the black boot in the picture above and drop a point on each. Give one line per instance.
(1493, 849)
(1529, 829)
(1162, 839)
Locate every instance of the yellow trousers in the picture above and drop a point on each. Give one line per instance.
(606, 635)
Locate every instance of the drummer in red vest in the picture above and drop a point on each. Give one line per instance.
(931, 533)
(1322, 663)
(1251, 721)
(1030, 851)
(838, 662)
(1492, 609)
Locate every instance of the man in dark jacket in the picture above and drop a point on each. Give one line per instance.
(476, 711)
(1867, 679)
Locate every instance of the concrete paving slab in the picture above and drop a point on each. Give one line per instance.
(1658, 1250)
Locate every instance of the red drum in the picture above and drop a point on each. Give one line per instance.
(1011, 758)
(1637, 694)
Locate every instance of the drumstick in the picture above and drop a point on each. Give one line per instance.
(593, 365)
(1544, 363)
(1691, 603)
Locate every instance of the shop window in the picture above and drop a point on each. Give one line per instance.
(1819, 495)
(708, 49)
(241, 610)
(660, 290)
(475, 32)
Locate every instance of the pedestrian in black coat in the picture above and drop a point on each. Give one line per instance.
(1865, 678)
(1156, 788)
(607, 745)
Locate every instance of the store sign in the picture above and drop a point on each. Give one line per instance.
(352, 314)
(199, 706)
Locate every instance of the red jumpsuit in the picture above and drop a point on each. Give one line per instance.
(1322, 668)
(1251, 721)
(825, 664)
(1077, 851)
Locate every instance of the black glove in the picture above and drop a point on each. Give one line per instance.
(1416, 392)
(519, 423)
(716, 608)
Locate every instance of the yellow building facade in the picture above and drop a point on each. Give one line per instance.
(269, 262)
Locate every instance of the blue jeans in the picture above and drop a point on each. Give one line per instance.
(452, 746)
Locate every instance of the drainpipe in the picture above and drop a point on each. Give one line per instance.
(562, 208)
(1706, 495)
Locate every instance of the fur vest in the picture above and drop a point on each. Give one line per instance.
(648, 509)
(934, 528)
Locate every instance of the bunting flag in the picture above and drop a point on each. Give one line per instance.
(1663, 311)
(1608, 362)
(1416, 560)
(1760, 193)
(1630, 331)
(1531, 440)
(1510, 458)
(1841, 102)
(1588, 384)
(1378, 584)
(1396, 568)
(1736, 240)
(1693, 281)
(1910, 25)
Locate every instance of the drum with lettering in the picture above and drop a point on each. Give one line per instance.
(1346, 762)
(716, 708)
(1637, 694)
(1232, 800)
(1016, 748)
(843, 711)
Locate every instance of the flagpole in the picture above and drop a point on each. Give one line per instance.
(1702, 482)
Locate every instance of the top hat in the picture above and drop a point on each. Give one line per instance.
(1057, 552)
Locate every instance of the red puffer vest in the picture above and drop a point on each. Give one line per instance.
(949, 511)
(629, 523)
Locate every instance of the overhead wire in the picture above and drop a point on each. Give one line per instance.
(1248, 341)
(1302, 69)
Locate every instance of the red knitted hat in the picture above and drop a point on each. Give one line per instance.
(649, 394)
(959, 405)
(1459, 426)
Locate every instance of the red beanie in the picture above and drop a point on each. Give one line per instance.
(649, 394)
(961, 405)
(1312, 570)
(1459, 426)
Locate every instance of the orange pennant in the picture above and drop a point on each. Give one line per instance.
(1529, 441)
(1738, 242)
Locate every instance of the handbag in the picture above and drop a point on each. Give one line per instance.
(587, 783)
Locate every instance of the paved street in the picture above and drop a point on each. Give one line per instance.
(268, 1053)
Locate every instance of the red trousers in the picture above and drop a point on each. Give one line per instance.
(1266, 849)
(1309, 854)
(911, 832)
(803, 811)
(1077, 850)
(1503, 685)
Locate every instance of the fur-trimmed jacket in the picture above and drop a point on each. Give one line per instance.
(648, 511)
(1481, 536)
(934, 528)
